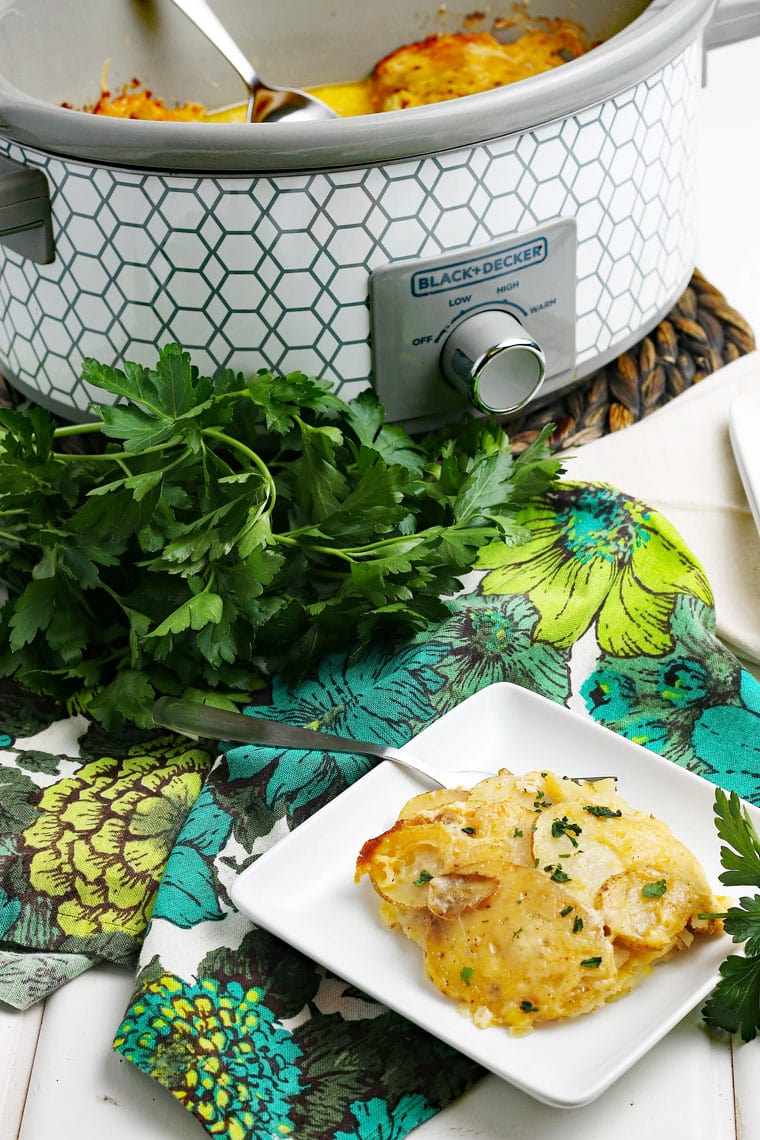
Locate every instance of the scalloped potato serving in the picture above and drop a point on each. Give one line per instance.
(534, 898)
(430, 70)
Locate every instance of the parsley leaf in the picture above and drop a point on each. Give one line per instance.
(602, 812)
(734, 1004)
(734, 827)
(228, 527)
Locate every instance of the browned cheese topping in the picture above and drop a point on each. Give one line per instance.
(432, 70)
(535, 898)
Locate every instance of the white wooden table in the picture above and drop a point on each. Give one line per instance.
(59, 1079)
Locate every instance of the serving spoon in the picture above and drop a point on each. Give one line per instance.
(267, 103)
(193, 719)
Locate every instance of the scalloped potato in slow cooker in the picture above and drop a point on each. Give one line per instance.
(534, 898)
(431, 70)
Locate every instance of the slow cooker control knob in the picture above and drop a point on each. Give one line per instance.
(494, 360)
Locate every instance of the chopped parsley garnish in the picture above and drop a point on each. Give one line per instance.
(466, 974)
(602, 812)
(425, 877)
(541, 802)
(654, 890)
(528, 1007)
(517, 833)
(592, 963)
(468, 830)
(578, 925)
(563, 827)
(565, 911)
(557, 874)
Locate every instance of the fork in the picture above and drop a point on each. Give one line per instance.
(193, 719)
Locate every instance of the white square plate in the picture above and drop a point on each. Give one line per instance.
(303, 891)
(744, 433)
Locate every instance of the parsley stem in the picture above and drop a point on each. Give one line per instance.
(249, 453)
(77, 429)
(108, 456)
(371, 549)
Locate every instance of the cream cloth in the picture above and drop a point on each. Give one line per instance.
(680, 460)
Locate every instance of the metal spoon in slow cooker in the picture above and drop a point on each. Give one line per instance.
(266, 103)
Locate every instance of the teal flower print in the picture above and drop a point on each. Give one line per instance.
(493, 639)
(382, 697)
(189, 892)
(659, 701)
(219, 1051)
(726, 737)
(375, 1120)
(612, 699)
(10, 909)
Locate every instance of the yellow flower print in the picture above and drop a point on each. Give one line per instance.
(101, 843)
(595, 555)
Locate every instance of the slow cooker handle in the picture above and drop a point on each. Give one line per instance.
(25, 221)
(732, 21)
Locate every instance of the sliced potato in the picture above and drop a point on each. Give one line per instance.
(570, 842)
(533, 897)
(647, 908)
(518, 958)
(403, 861)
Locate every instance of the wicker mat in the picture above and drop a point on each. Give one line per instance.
(699, 335)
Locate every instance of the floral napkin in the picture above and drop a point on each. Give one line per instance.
(111, 844)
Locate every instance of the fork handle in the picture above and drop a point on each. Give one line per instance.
(221, 724)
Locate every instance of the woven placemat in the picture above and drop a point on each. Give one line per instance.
(699, 335)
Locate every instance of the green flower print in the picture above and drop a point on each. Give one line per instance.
(99, 846)
(595, 555)
(219, 1051)
(381, 697)
(492, 639)
(375, 1120)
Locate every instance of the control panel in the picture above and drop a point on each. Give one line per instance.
(478, 328)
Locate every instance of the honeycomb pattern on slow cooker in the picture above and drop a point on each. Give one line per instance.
(273, 271)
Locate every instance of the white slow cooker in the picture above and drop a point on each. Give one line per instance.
(438, 253)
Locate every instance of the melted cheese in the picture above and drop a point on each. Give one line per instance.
(447, 67)
(534, 898)
(432, 70)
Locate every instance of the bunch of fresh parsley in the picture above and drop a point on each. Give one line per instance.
(734, 1004)
(230, 527)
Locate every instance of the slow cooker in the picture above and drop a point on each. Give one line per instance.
(473, 252)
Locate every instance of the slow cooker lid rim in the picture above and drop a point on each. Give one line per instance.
(365, 140)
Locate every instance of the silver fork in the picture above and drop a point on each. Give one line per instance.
(193, 719)
(205, 721)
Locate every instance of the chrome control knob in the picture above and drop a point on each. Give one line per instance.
(494, 360)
